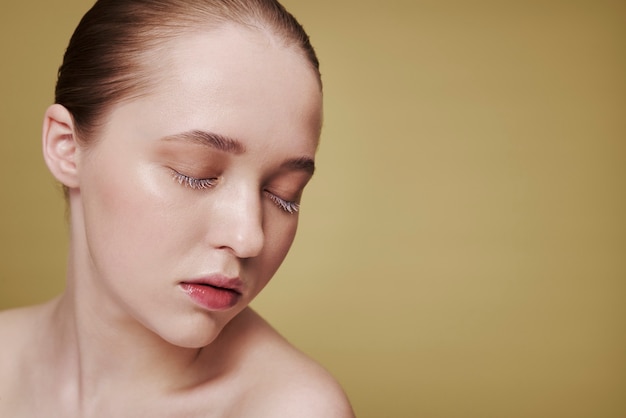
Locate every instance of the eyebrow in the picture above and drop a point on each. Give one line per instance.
(233, 146)
(305, 164)
(217, 141)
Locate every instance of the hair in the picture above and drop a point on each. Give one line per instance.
(107, 59)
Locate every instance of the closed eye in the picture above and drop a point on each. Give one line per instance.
(194, 183)
(285, 205)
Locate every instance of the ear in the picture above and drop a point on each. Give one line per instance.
(60, 149)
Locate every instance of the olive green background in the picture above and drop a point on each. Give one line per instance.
(462, 249)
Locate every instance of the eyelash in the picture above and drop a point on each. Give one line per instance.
(201, 184)
(287, 206)
(194, 183)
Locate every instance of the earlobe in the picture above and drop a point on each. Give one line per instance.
(60, 149)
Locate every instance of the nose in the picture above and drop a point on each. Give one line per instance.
(237, 223)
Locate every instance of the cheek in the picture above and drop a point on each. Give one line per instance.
(116, 199)
(279, 236)
(122, 215)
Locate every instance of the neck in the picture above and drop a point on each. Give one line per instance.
(102, 352)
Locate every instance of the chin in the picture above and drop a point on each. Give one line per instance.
(192, 340)
(193, 334)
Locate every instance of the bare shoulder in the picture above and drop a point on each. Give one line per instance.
(16, 328)
(16, 333)
(307, 392)
(14, 325)
(286, 382)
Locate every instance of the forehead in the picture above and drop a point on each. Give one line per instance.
(244, 79)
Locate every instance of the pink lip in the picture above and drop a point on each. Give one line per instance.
(214, 293)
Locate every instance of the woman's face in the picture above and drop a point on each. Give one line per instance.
(188, 199)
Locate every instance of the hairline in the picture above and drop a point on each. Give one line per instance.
(142, 78)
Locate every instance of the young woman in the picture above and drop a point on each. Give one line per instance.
(184, 133)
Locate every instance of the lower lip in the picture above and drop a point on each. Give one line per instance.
(211, 298)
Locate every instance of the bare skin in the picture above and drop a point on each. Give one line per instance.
(125, 339)
(249, 371)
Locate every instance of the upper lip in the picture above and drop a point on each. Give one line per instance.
(220, 281)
